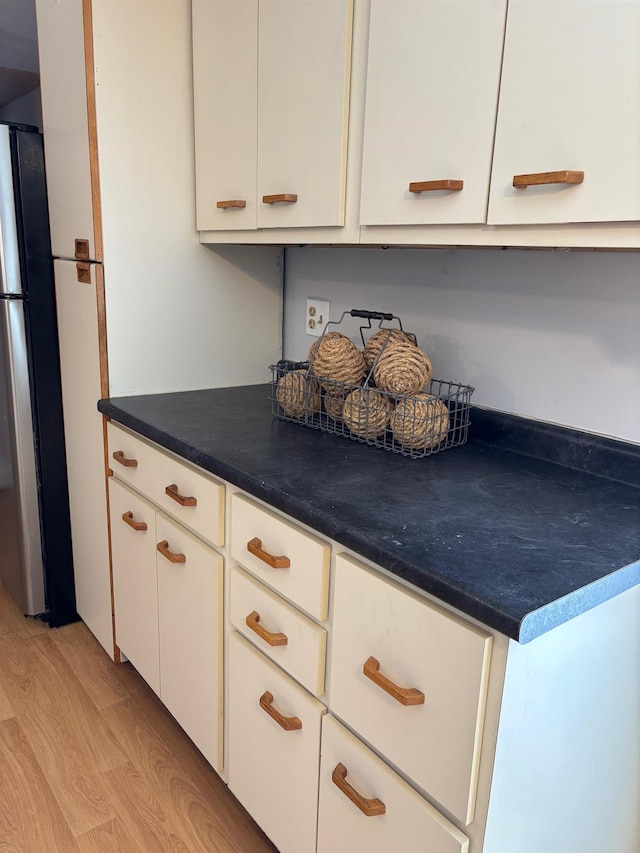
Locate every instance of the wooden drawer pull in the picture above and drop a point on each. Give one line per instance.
(538, 178)
(183, 500)
(128, 518)
(81, 250)
(83, 273)
(404, 695)
(230, 203)
(163, 547)
(253, 622)
(122, 459)
(430, 186)
(282, 198)
(370, 808)
(289, 724)
(254, 546)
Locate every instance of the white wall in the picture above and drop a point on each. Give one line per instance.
(553, 335)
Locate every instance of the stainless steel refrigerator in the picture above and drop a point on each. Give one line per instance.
(36, 563)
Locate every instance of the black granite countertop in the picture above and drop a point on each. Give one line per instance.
(516, 541)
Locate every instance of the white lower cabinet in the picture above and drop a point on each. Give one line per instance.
(135, 580)
(364, 805)
(190, 633)
(274, 744)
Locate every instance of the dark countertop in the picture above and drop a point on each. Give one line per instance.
(520, 543)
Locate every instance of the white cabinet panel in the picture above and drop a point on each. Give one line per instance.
(569, 101)
(190, 630)
(304, 61)
(409, 823)
(422, 650)
(273, 770)
(65, 125)
(77, 308)
(135, 580)
(432, 92)
(225, 80)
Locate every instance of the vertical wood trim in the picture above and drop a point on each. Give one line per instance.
(104, 392)
(87, 23)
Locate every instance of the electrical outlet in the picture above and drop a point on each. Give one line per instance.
(317, 317)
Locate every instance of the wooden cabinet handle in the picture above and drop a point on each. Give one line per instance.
(289, 724)
(404, 695)
(231, 203)
(122, 459)
(81, 250)
(83, 273)
(163, 547)
(128, 518)
(538, 178)
(370, 808)
(253, 622)
(183, 500)
(254, 546)
(282, 198)
(430, 186)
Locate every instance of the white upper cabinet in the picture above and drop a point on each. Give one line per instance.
(569, 104)
(432, 92)
(225, 90)
(271, 88)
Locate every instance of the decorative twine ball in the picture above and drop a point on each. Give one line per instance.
(366, 412)
(420, 422)
(383, 338)
(335, 357)
(298, 394)
(402, 369)
(333, 405)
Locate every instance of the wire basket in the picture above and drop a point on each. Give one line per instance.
(417, 425)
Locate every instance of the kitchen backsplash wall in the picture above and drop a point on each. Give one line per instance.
(552, 335)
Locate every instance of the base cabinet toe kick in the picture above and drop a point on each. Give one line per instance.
(348, 710)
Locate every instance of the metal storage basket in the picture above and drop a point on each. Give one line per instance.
(413, 425)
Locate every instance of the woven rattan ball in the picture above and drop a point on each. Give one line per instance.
(402, 369)
(298, 394)
(383, 338)
(420, 422)
(333, 405)
(336, 357)
(366, 412)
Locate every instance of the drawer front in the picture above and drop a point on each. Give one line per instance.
(135, 583)
(304, 577)
(395, 818)
(422, 703)
(273, 763)
(190, 631)
(290, 639)
(192, 497)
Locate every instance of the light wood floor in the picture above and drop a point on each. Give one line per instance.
(91, 762)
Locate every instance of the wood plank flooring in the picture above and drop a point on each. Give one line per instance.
(90, 760)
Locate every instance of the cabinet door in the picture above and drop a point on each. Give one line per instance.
(408, 823)
(569, 101)
(225, 59)
(61, 50)
(432, 92)
(77, 309)
(274, 748)
(190, 631)
(135, 580)
(304, 62)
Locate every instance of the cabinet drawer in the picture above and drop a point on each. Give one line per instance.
(191, 496)
(408, 823)
(304, 578)
(190, 632)
(424, 656)
(135, 583)
(273, 760)
(294, 642)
